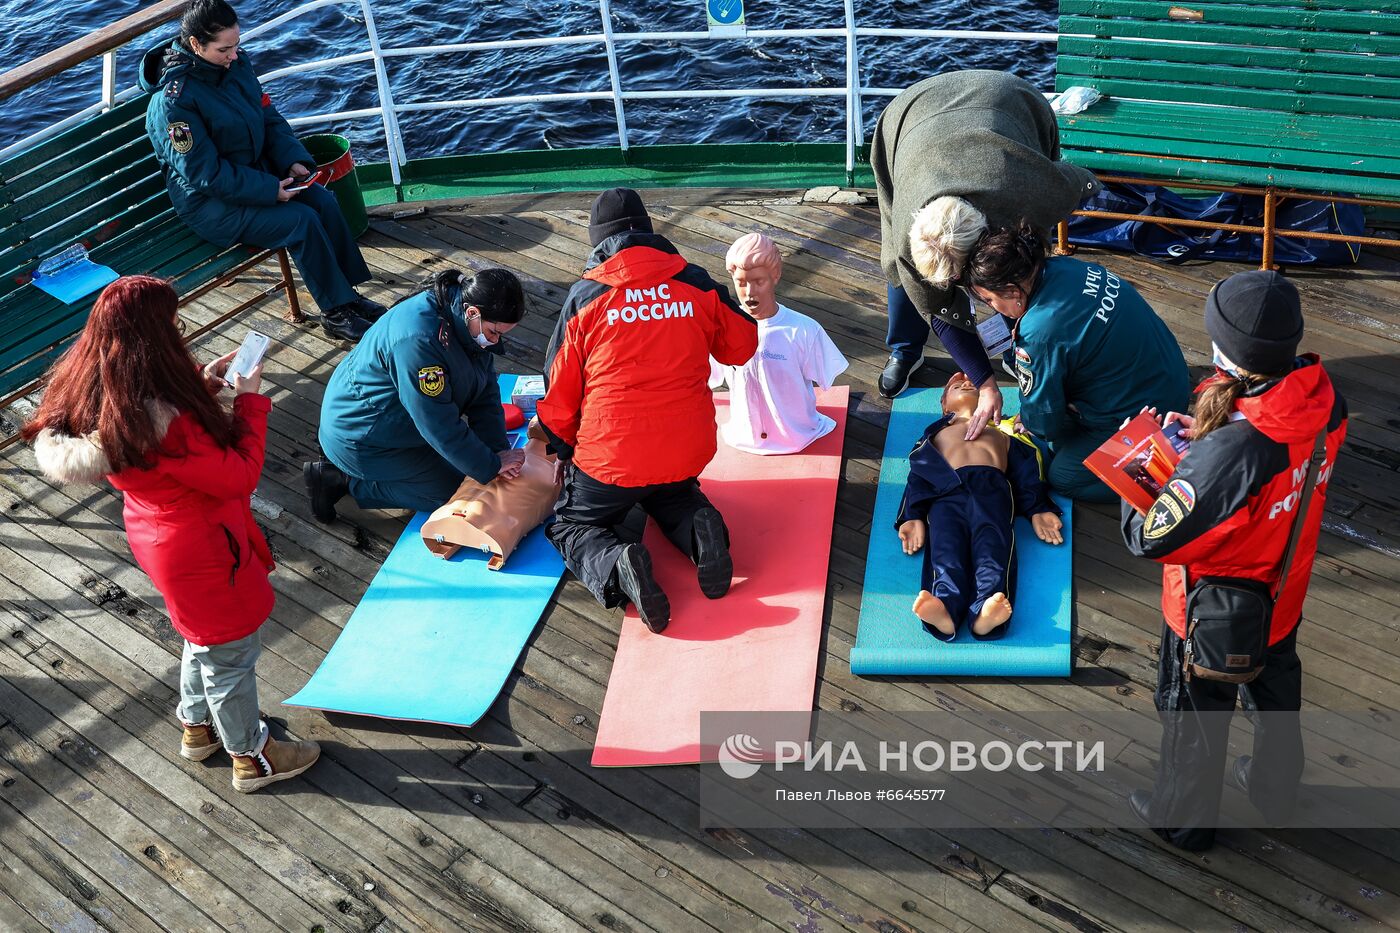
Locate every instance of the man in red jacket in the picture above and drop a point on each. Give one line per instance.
(629, 410)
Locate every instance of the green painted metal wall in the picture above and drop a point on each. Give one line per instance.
(747, 165)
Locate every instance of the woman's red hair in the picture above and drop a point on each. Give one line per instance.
(129, 353)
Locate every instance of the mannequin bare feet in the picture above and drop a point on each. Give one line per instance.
(931, 611)
(995, 611)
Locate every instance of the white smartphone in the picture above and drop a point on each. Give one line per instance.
(249, 355)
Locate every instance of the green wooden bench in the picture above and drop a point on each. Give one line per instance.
(1282, 98)
(98, 184)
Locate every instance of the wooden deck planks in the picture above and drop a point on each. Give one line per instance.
(506, 826)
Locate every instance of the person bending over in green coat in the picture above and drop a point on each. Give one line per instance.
(1089, 351)
(230, 161)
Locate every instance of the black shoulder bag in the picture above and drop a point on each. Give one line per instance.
(1228, 620)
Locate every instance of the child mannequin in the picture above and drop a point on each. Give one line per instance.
(961, 500)
(772, 405)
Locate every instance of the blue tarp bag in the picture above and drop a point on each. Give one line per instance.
(1179, 244)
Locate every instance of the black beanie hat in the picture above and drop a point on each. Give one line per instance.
(1256, 319)
(614, 211)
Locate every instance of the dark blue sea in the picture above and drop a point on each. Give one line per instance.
(33, 27)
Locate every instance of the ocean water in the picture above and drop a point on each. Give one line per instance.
(33, 28)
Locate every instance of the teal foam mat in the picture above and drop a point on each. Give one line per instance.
(434, 640)
(891, 640)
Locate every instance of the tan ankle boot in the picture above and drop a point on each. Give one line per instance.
(277, 762)
(199, 742)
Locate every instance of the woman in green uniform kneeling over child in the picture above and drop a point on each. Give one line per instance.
(233, 165)
(1089, 351)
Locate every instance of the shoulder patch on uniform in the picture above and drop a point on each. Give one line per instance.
(1024, 375)
(181, 137)
(1166, 513)
(443, 335)
(173, 89)
(431, 381)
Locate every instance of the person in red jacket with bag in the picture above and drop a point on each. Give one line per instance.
(128, 402)
(1228, 512)
(628, 407)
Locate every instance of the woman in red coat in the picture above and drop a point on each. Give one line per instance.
(128, 402)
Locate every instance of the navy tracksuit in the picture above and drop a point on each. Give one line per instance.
(970, 553)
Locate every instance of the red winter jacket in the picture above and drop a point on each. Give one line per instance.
(629, 363)
(188, 518)
(1228, 509)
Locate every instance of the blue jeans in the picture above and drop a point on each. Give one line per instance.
(908, 332)
(219, 686)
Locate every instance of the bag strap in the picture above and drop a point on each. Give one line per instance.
(1319, 454)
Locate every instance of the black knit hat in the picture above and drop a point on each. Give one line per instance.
(1256, 319)
(614, 211)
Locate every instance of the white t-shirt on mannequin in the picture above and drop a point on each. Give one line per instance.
(772, 405)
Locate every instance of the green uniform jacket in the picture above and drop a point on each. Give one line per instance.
(222, 144)
(1091, 352)
(405, 388)
(985, 136)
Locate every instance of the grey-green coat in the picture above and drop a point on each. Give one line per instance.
(986, 136)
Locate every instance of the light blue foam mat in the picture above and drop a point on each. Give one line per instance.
(891, 640)
(434, 640)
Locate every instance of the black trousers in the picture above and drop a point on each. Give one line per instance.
(971, 552)
(591, 525)
(1186, 797)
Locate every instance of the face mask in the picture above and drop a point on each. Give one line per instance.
(480, 338)
(1223, 362)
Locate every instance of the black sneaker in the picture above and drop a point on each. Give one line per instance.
(326, 485)
(369, 310)
(635, 579)
(344, 323)
(714, 567)
(895, 377)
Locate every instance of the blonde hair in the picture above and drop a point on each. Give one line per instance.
(944, 232)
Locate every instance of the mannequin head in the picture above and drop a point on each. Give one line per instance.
(756, 267)
(960, 396)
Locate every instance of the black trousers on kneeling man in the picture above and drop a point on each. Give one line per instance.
(591, 525)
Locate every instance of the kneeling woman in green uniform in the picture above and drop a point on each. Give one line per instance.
(1089, 351)
(392, 424)
(230, 161)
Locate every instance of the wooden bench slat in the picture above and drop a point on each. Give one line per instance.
(16, 166)
(91, 226)
(1292, 145)
(1227, 96)
(1170, 170)
(1336, 63)
(110, 195)
(1342, 130)
(1173, 74)
(136, 146)
(1263, 154)
(1231, 14)
(1230, 35)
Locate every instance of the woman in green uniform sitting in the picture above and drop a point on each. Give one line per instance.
(231, 163)
(1089, 351)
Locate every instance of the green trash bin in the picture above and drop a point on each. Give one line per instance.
(332, 152)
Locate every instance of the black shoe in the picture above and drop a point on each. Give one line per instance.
(1240, 773)
(369, 310)
(344, 323)
(1140, 802)
(326, 485)
(713, 565)
(895, 377)
(634, 578)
